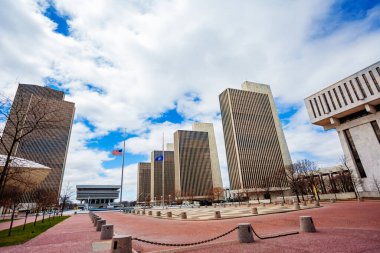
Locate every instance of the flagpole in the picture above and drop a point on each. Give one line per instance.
(122, 170)
(163, 170)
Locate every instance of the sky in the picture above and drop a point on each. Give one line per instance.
(149, 68)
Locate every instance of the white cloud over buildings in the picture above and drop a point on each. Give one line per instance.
(128, 61)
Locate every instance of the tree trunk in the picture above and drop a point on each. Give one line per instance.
(12, 217)
(43, 216)
(26, 217)
(35, 219)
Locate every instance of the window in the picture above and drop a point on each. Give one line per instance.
(376, 129)
(368, 86)
(374, 81)
(355, 153)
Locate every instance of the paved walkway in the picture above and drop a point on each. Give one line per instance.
(342, 227)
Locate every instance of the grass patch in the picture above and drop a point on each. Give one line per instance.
(19, 236)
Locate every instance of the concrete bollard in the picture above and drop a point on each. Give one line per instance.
(254, 210)
(99, 224)
(245, 234)
(143, 212)
(133, 211)
(106, 232)
(304, 203)
(249, 205)
(236, 205)
(307, 224)
(282, 203)
(199, 206)
(169, 214)
(158, 213)
(149, 212)
(217, 215)
(316, 203)
(96, 220)
(296, 206)
(121, 244)
(311, 201)
(184, 215)
(332, 200)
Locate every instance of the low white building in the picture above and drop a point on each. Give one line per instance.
(352, 107)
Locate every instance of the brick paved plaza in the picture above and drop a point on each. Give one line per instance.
(342, 227)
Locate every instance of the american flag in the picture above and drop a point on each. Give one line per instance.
(117, 152)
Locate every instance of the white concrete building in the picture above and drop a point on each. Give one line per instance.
(352, 107)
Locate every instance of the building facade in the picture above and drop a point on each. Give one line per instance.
(143, 182)
(352, 107)
(255, 143)
(214, 158)
(193, 173)
(47, 146)
(162, 186)
(97, 196)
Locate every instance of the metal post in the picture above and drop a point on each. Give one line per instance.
(122, 171)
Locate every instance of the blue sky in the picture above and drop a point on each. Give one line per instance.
(158, 66)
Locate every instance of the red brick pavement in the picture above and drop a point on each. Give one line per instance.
(342, 227)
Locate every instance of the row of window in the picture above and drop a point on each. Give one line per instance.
(346, 93)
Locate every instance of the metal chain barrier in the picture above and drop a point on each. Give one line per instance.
(273, 236)
(185, 244)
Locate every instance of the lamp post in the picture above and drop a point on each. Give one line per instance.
(155, 201)
(162, 201)
(169, 200)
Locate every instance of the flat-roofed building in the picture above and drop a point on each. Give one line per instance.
(352, 107)
(97, 196)
(255, 143)
(143, 182)
(193, 174)
(215, 167)
(162, 191)
(47, 146)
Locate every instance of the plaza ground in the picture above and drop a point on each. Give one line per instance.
(342, 227)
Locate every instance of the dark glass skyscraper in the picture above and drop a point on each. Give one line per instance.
(49, 145)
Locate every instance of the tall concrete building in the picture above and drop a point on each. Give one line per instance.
(193, 169)
(46, 146)
(215, 167)
(159, 190)
(255, 143)
(143, 182)
(352, 107)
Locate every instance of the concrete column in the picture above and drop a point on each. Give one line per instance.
(99, 224)
(184, 215)
(296, 206)
(254, 210)
(245, 234)
(96, 220)
(217, 215)
(158, 213)
(169, 214)
(307, 224)
(121, 244)
(106, 232)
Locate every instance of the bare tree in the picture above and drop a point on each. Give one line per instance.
(309, 170)
(356, 181)
(217, 191)
(66, 193)
(293, 179)
(280, 181)
(25, 115)
(12, 196)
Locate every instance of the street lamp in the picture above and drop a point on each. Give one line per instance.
(169, 200)
(162, 201)
(155, 201)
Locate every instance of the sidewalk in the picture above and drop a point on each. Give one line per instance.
(342, 227)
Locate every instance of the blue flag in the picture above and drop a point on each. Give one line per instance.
(159, 158)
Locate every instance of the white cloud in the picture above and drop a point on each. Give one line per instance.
(147, 57)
